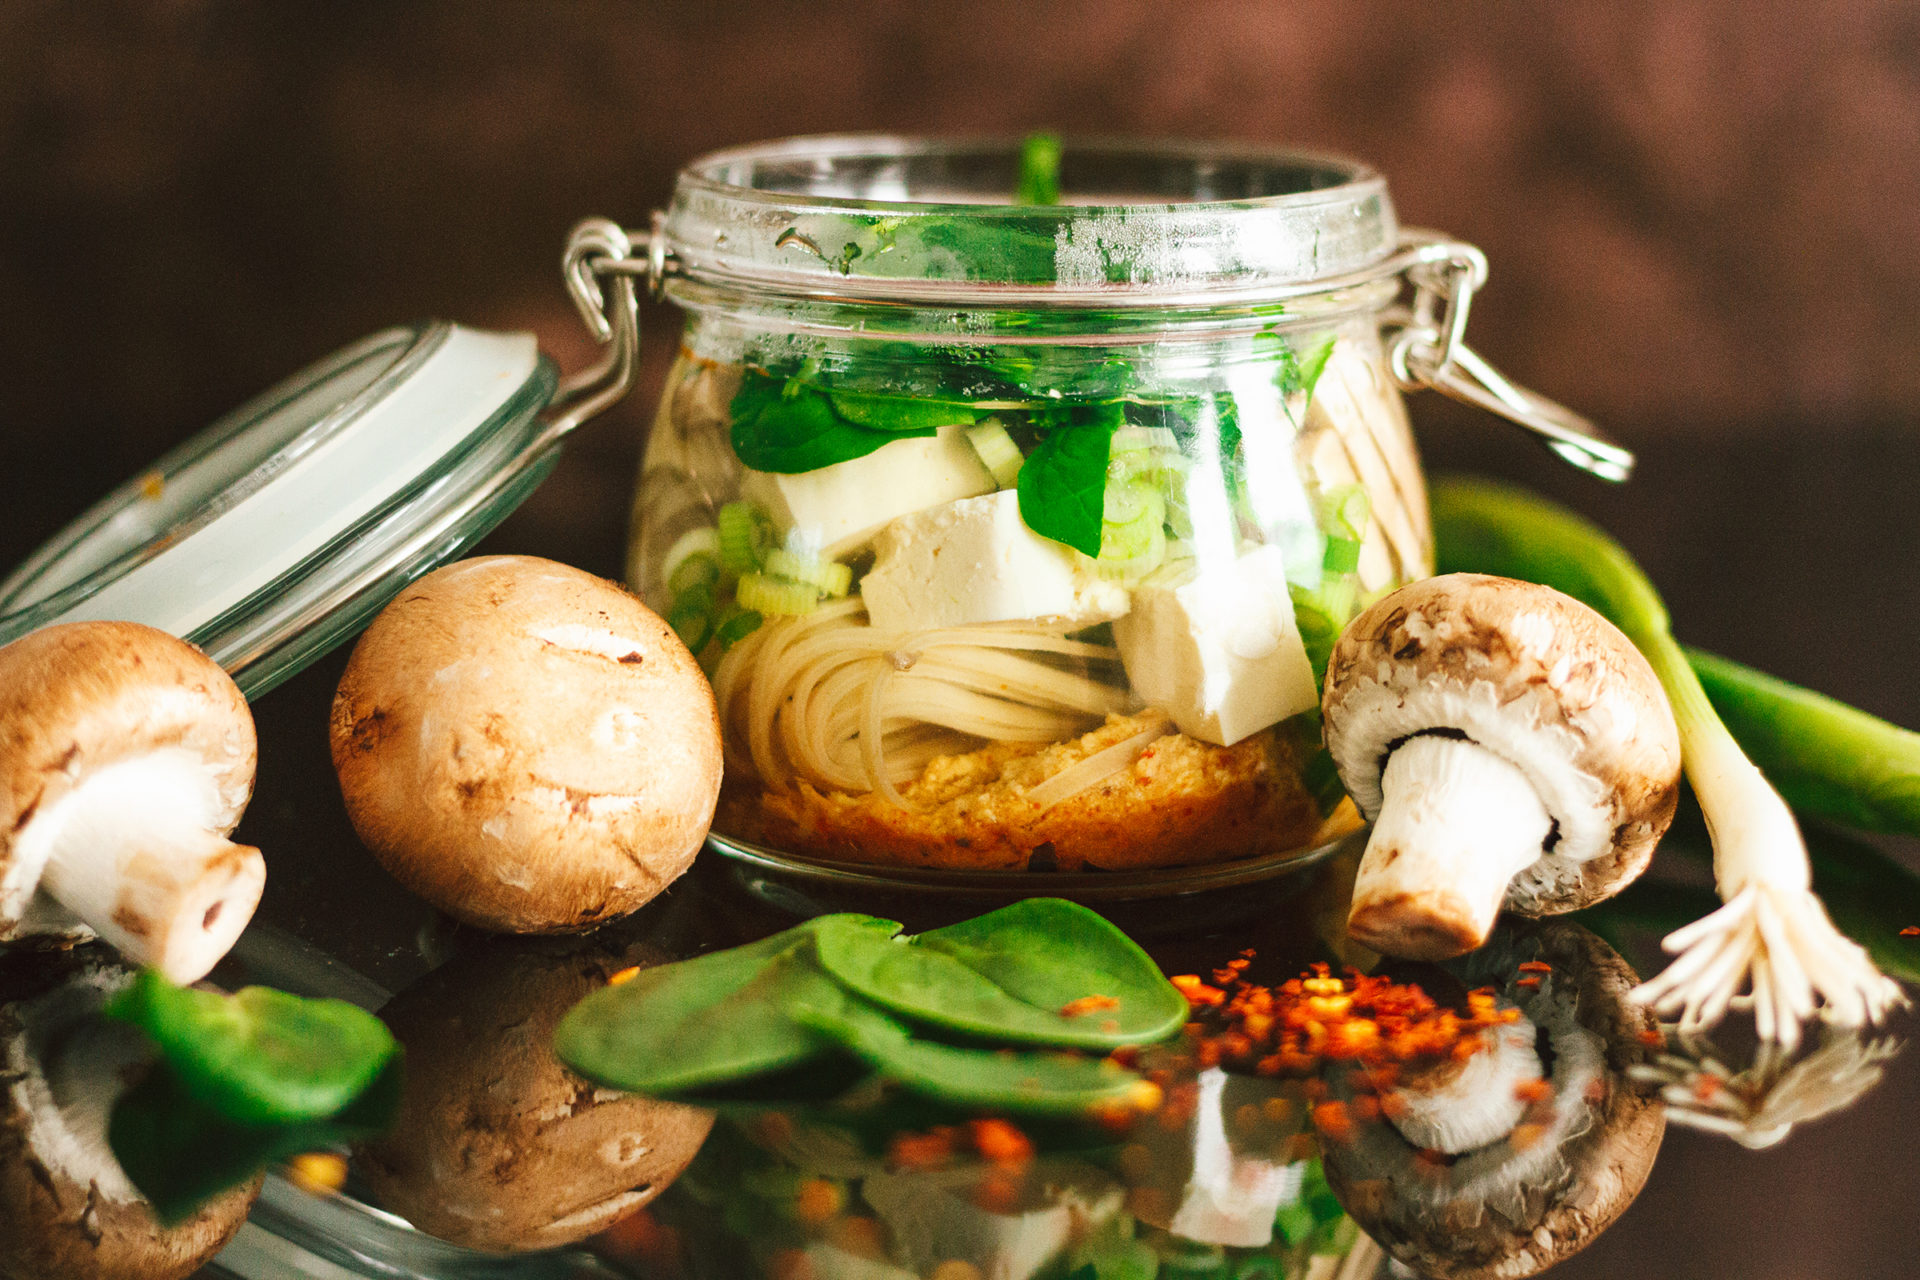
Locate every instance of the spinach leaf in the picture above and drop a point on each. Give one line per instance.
(1039, 170)
(707, 1021)
(1063, 483)
(1295, 373)
(1309, 370)
(998, 250)
(932, 246)
(179, 1152)
(1036, 1083)
(899, 414)
(785, 426)
(1037, 972)
(260, 1056)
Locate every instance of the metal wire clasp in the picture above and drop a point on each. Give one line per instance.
(1426, 347)
(600, 267)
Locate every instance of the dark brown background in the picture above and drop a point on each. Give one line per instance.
(1703, 218)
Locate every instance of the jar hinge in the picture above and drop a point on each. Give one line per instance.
(1426, 348)
(601, 264)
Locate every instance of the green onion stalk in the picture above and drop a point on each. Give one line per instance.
(1771, 945)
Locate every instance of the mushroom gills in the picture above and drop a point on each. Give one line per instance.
(1456, 824)
(1465, 1104)
(134, 851)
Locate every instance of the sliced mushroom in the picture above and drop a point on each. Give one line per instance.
(496, 1144)
(126, 757)
(526, 746)
(1461, 1183)
(1512, 748)
(67, 1212)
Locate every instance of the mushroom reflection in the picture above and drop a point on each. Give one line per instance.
(66, 1208)
(497, 1145)
(1506, 1160)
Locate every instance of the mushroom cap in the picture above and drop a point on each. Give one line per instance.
(1514, 1209)
(66, 1210)
(80, 695)
(526, 746)
(1537, 678)
(496, 1144)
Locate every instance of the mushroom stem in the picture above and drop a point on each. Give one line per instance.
(1461, 1105)
(1456, 824)
(135, 853)
(1772, 936)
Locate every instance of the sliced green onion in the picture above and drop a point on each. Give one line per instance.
(698, 570)
(828, 577)
(744, 536)
(763, 594)
(1342, 555)
(1137, 439)
(1133, 504)
(998, 453)
(736, 625)
(691, 617)
(1346, 512)
(699, 542)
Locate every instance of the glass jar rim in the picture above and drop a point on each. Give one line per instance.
(885, 217)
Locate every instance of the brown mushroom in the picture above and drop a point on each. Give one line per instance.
(126, 756)
(1512, 748)
(1507, 1169)
(67, 1212)
(526, 746)
(498, 1146)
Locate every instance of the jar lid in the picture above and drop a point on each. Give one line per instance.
(918, 219)
(280, 530)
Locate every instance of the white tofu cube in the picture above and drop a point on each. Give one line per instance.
(975, 560)
(1222, 655)
(836, 510)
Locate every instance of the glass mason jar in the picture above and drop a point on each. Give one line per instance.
(1015, 536)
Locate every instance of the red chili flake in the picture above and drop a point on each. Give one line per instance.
(1001, 1143)
(1535, 966)
(773, 1129)
(1706, 1088)
(1911, 931)
(920, 1150)
(1198, 993)
(1232, 971)
(1087, 1004)
(818, 1201)
(1533, 1091)
(859, 1235)
(1651, 1038)
(641, 1236)
(1333, 1120)
(790, 1264)
(1235, 1045)
(1526, 982)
